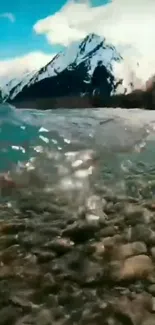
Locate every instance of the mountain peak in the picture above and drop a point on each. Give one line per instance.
(76, 63)
(92, 37)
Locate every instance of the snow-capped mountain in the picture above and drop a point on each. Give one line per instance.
(69, 72)
(82, 68)
(92, 49)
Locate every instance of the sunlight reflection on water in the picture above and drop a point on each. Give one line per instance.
(65, 147)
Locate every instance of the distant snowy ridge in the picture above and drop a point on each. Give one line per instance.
(10, 87)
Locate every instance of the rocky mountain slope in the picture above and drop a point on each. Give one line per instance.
(9, 86)
(88, 73)
(70, 73)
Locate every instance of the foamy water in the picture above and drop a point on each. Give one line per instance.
(73, 150)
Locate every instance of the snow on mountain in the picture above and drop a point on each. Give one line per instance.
(10, 86)
(92, 49)
(79, 56)
(20, 85)
(89, 51)
(7, 85)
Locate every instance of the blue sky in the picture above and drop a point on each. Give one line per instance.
(32, 31)
(18, 37)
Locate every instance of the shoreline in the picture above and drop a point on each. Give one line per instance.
(136, 99)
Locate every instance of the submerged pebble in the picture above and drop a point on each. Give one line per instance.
(77, 228)
(76, 268)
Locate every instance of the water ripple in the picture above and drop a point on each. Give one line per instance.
(66, 147)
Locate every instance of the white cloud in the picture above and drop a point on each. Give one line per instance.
(125, 23)
(121, 21)
(128, 24)
(14, 67)
(9, 16)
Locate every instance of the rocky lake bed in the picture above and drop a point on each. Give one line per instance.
(77, 218)
(92, 266)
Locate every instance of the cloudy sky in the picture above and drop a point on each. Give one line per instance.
(33, 31)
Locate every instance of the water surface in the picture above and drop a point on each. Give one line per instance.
(115, 146)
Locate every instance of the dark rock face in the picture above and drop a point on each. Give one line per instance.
(82, 70)
(66, 89)
(68, 83)
(102, 80)
(0, 96)
(85, 82)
